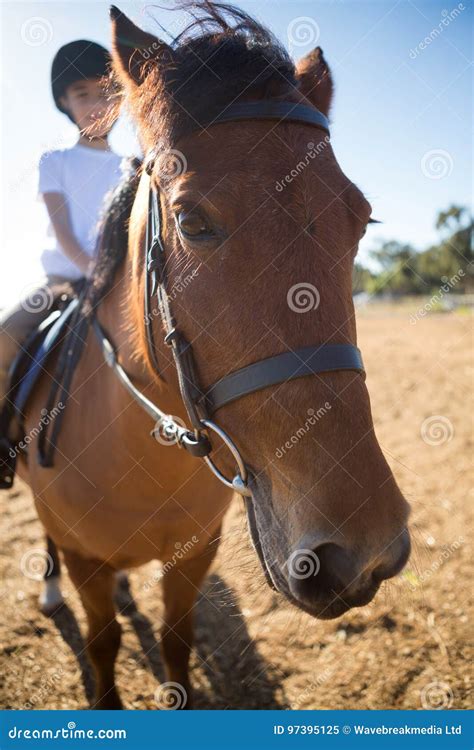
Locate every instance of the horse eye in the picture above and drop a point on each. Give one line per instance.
(193, 224)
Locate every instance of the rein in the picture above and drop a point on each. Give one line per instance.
(200, 406)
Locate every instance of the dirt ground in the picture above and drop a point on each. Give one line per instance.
(408, 649)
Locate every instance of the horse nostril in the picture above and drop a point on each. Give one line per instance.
(398, 554)
(325, 570)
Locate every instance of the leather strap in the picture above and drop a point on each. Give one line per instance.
(153, 253)
(182, 351)
(310, 360)
(198, 446)
(271, 110)
(68, 359)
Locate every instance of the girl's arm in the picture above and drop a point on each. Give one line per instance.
(59, 216)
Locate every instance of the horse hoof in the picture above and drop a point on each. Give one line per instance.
(50, 598)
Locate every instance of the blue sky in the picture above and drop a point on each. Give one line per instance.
(402, 115)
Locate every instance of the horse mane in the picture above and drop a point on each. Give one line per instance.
(221, 56)
(112, 240)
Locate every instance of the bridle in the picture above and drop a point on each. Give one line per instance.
(201, 406)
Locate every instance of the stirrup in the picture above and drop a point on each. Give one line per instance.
(7, 464)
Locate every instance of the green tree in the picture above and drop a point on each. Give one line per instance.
(398, 274)
(361, 278)
(451, 218)
(403, 270)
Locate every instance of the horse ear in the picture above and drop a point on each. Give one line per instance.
(315, 80)
(133, 48)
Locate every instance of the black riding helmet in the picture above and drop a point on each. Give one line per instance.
(74, 62)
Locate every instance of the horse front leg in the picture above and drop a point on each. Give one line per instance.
(95, 581)
(181, 585)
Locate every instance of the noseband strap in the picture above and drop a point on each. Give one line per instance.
(311, 360)
(200, 405)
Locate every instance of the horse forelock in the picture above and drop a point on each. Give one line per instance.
(223, 55)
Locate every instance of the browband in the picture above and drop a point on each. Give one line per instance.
(271, 110)
(310, 360)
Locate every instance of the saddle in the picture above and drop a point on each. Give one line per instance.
(62, 333)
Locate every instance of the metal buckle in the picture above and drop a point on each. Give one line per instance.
(239, 482)
(171, 336)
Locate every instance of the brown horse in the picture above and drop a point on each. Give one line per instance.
(247, 218)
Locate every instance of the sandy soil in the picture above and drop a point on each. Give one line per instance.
(408, 649)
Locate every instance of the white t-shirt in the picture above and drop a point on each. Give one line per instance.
(84, 176)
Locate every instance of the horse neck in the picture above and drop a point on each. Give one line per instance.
(129, 427)
(122, 316)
